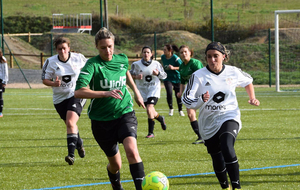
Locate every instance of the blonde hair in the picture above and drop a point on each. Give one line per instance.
(103, 33)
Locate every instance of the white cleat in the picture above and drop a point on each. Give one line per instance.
(171, 112)
(181, 113)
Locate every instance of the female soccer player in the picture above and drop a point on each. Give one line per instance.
(3, 79)
(147, 74)
(171, 63)
(186, 69)
(61, 72)
(212, 91)
(111, 109)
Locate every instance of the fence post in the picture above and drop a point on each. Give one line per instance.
(11, 62)
(270, 62)
(42, 59)
(29, 40)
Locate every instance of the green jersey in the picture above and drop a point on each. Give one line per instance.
(106, 76)
(172, 75)
(186, 70)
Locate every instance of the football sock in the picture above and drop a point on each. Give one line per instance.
(79, 141)
(1, 106)
(115, 179)
(72, 141)
(231, 161)
(151, 123)
(138, 174)
(195, 127)
(159, 118)
(220, 169)
(234, 174)
(1, 100)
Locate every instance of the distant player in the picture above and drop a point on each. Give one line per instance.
(189, 66)
(147, 74)
(212, 91)
(3, 79)
(171, 63)
(61, 72)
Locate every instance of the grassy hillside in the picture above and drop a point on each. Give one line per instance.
(245, 12)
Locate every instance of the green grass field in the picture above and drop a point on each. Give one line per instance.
(33, 146)
(242, 11)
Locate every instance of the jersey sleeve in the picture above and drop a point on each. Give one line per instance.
(83, 60)
(5, 76)
(198, 65)
(244, 79)
(162, 73)
(191, 97)
(178, 61)
(85, 75)
(48, 71)
(134, 68)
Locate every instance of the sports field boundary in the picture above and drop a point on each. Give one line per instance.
(169, 177)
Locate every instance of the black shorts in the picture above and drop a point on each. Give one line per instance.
(72, 104)
(213, 144)
(109, 133)
(151, 100)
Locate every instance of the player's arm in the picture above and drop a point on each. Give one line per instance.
(182, 86)
(87, 93)
(55, 83)
(159, 72)
(137, 95)
(250, 91)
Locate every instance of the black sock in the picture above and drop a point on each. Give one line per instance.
(72, 141)
(150, 126)
(138, 174)
(234, 174)
(159, 118)
(220, 169)
(79, 141)
(114, 179)
(195, 127)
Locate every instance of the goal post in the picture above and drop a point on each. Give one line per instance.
(277, 12)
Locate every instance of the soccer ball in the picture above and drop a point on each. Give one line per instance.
(155, 181)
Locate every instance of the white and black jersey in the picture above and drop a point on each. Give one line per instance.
(67, 72)
(149, 86)
(222, 104)
(4, 71)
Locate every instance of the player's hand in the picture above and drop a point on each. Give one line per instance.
(115, 94)
(178, 95)
(155, 72)
(254, 102)
(139, 100)
(57, 82)
(139, 77)
(171, 67)
(205, 96)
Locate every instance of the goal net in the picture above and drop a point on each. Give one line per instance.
(287, 50)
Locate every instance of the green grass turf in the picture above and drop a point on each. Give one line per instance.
(33, 146)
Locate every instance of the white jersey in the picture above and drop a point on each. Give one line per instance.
(66, 71)
(222, 104)
(4, 72)
(149, 86)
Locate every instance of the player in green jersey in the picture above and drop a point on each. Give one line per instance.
(111, 108)
(186, 69)
(171, 63)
